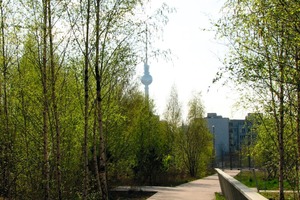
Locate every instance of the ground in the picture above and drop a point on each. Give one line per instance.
(130, 195)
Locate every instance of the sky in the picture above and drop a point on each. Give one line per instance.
(196, 58)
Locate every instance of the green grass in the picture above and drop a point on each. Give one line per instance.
(219, 196)
(275, 196)
(247, 178)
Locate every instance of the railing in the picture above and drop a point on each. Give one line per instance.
(232, 189)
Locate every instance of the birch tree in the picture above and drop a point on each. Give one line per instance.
(260, 35)
(196, 140)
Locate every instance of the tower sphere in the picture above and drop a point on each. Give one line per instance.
(146, 79)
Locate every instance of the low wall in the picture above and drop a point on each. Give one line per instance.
(232, 189)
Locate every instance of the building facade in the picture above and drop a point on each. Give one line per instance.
(219, 127)
(232, 137)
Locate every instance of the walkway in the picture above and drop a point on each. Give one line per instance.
(202, 189)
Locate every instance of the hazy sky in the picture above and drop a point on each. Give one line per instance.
(195, 61)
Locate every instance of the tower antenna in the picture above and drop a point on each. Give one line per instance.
(147, 78)
(146, 43)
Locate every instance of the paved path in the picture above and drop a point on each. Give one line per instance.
(202, 189)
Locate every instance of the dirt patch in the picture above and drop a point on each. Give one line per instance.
(130, 195)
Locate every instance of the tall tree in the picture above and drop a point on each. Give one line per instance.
(196, 139)
(6, 150)
(99, 115)
(261, 34)
(86, 103)
(53, 82)
(173, 116)
(44, 75)
(42, 91)
(173, 112)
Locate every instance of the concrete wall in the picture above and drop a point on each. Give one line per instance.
(232, 189)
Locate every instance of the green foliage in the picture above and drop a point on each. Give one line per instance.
(171, 129)
(275, 196)
(189, 146)
(195, 139)
(138, 144)
(264, 57)
(21, 144)
(255, 33)
(150, 151)
(264, 182)
(219, 196)
(265, 150)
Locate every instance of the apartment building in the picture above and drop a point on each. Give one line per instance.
(230, 140)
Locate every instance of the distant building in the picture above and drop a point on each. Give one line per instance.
(230, 135)
(237, 133)
(219, 127)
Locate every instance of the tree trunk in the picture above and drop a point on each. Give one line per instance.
(281, 133)
(281, 146)
(7, 149)
(279, 117)
(95, 153)
(54, 103)
(86, 105)
(46, 167)
(25, 129)
(102, 163)
(102, 153)
(297, 60)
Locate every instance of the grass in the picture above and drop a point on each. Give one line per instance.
(219, 196)
(275, 196)
(247, 178)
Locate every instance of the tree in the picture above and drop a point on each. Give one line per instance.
(196, 140)
(150, 151)
(173, 113)
(7, 146)
(50, 97)
(44, 80)
(173, 117)
(261, 34)
(116, 30)
(53, 80)
(86, 103)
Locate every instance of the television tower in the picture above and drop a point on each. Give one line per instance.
(147, 78)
